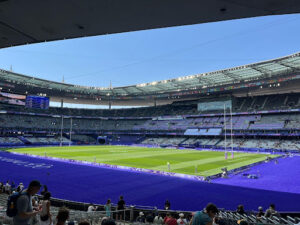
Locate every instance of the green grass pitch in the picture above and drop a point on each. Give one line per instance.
(181, 161)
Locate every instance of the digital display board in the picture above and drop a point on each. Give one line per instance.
(37, 102)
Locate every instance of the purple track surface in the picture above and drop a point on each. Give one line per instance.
(91, 184)
(284, 176)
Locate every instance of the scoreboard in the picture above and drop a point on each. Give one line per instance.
(37, 102)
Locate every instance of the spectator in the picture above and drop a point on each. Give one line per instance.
(141, 218)
(24, 204)
(120, 208)
(45, 215)
(206, 216)
(271, 211)
(182, 220)
(35, 202)
(108, 221)
(158, 219)
(242, 222)
(62, 216)
(260, 212)
(107, 208)
(20, 187)
(155, 211)
(166, 218)
(92, 208)
(170, 220)
(149, 218)
(189, 218)
(84, 223)
(7, 188)
(45, 190)
(240, 209)
(1, 187)
(13, 186)
(167, 205)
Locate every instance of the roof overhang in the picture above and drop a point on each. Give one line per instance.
(34, 21)
(278, 70)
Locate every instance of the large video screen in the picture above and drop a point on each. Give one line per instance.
(13, 99)
(214, 105)
(37, 102)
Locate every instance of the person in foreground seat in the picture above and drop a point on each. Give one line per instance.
(158, 219)
(141, 218)
(84, 223)
(24, 204)
(271, 211)
(206, 216)
(108, 221)
(182, 220)
(240, 209)
(170, 220)
(62, 216)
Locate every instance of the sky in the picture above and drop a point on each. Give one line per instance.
(145, 56)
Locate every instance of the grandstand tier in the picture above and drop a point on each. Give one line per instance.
(271, 126)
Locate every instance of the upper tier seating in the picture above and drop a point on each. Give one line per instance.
(241, 104)
(212, 124)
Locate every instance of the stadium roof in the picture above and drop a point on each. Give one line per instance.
(289, 65)
(34, 21)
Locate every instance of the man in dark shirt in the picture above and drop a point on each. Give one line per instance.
(120, 208)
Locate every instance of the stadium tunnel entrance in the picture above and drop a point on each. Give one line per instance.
(102, 140)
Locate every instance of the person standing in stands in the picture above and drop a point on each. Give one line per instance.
(206, 216)
(107, 208)
(45, 215)
(167, 205)
(24, 204)
(1, 187)
(20, 187)
(120, 208)
(13, 186)
(7, 188)
(45, 190)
